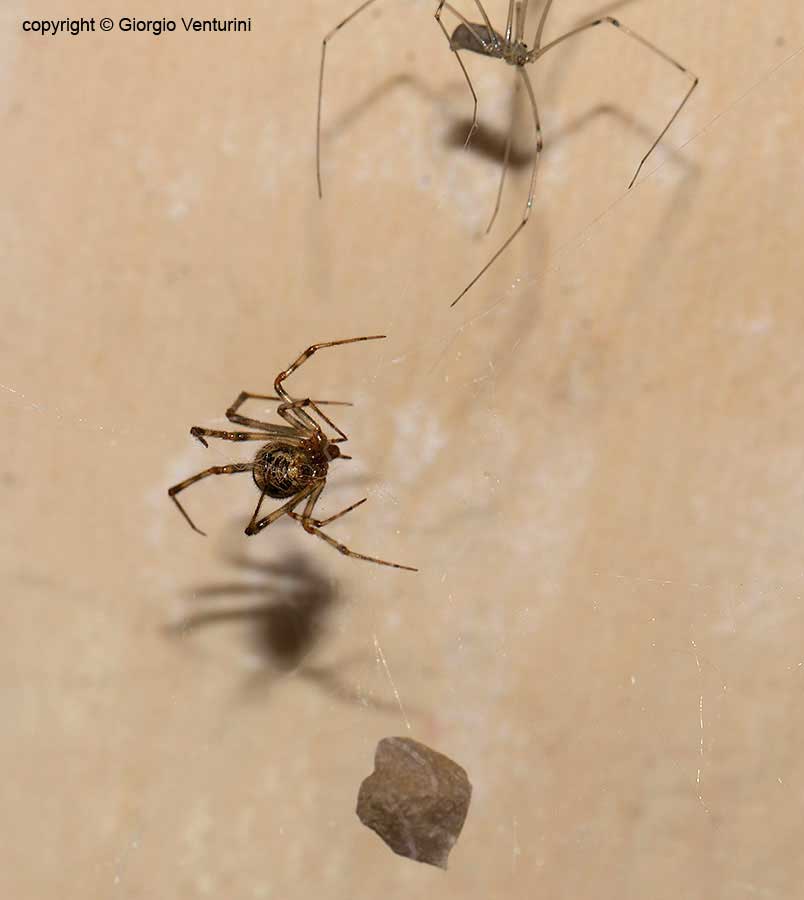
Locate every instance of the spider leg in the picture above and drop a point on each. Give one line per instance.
(342, 548)
(506, 158)
(301, 404)
(311, 526)
(268, 432)
(441, 4)
(212, 470)
(486, 21)
(537, 41)
(289, 414)
(490, 48)
(521, 18)
(327, 37)
(306, 421)
(256, 525)
(509, 19)
(320, 523)
(608, 20)
(311, 501)
(233, 416)
(531, 189)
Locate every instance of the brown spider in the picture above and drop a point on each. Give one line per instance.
(293, 462)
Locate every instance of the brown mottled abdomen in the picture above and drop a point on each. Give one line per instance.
(281, 470)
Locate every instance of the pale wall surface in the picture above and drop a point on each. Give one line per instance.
(596, 459)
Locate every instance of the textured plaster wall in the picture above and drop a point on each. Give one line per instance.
(596, 459)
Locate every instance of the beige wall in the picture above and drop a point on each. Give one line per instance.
(596, 459)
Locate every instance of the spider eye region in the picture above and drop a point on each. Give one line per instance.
(519, 54)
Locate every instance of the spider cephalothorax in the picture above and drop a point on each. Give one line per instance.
(293, 462)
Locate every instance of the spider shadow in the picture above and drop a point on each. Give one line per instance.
(405, 81)
(286, 606)
(286, 603)
(360, 108)
(517, 320)
(320, 273)
(490, 143)
(509, 322)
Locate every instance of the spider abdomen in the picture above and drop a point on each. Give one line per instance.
(282, 470)
(476, 39)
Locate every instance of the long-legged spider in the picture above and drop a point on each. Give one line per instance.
(293, 462)
(510, 47)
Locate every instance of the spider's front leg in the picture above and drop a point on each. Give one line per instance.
(303, 357)
(233, 415)
(304, 419)
(537, 53)
(287, 410)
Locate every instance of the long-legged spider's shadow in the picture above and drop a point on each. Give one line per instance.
(287, 606)
(361, 107)
(491, 144)
(404, 80)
